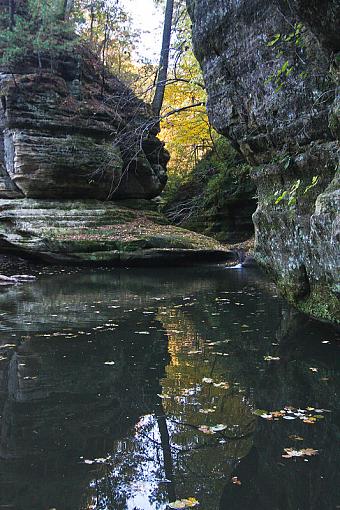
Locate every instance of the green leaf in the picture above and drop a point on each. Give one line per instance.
(314, 182)
(281, 197)
(276, 38)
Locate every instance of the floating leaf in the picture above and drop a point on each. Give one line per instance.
(296, 438)
(218, 428)
(236, 481)
(223, 385)
(305, 452)
(207, 411)
(267, 416)
(259, 412)
(184, 503)
(205, 429)
(271, 358)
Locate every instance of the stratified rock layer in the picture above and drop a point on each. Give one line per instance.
(91, 231)
(272, 76)
(71, 133)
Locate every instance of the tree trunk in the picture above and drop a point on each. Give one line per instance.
(164, 59)
(11, 9)
(67, 9)
(166, 449)
(92, 16)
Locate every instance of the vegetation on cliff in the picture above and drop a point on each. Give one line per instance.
(217, 197)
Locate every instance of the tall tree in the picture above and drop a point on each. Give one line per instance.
(164, 59)
(67, 8)
(11, 8)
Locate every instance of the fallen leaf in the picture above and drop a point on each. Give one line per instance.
(218, 428)
(290, 452)
(267, 416)
(184, 503)
(207, 380)
(223, 385)
(259, 412)
(205, 429)
(236, 481)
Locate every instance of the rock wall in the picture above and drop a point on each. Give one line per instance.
(271, 72)
(65, 134)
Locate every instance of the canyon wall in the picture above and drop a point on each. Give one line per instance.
(271, 70)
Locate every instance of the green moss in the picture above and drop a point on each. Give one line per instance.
(321, 304)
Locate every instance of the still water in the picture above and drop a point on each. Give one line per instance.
(130, 389)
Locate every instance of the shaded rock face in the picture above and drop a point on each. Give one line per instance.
(65, 135)
(271, 77)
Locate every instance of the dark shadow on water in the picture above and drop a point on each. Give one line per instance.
(107, 376)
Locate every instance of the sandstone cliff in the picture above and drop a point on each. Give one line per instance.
(72, 143)
(67, 134)
(271, 72)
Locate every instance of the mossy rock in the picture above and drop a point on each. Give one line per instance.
(91, 232)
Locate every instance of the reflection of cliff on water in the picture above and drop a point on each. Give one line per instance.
(63, 403)
(60, 296)
(116, 365)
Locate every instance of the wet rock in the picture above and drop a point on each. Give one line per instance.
(7, 280)
(18, 278)
(272, 80)
(249, 261)
(97, 232)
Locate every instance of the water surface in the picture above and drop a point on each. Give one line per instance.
(129, 389)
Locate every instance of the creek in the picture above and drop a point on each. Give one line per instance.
(127, 389)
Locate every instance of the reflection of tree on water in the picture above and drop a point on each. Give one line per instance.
(182, 462)
(168, 457)
(65, 403)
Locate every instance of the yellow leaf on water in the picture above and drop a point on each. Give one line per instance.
(184, 503)
(223, 385)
